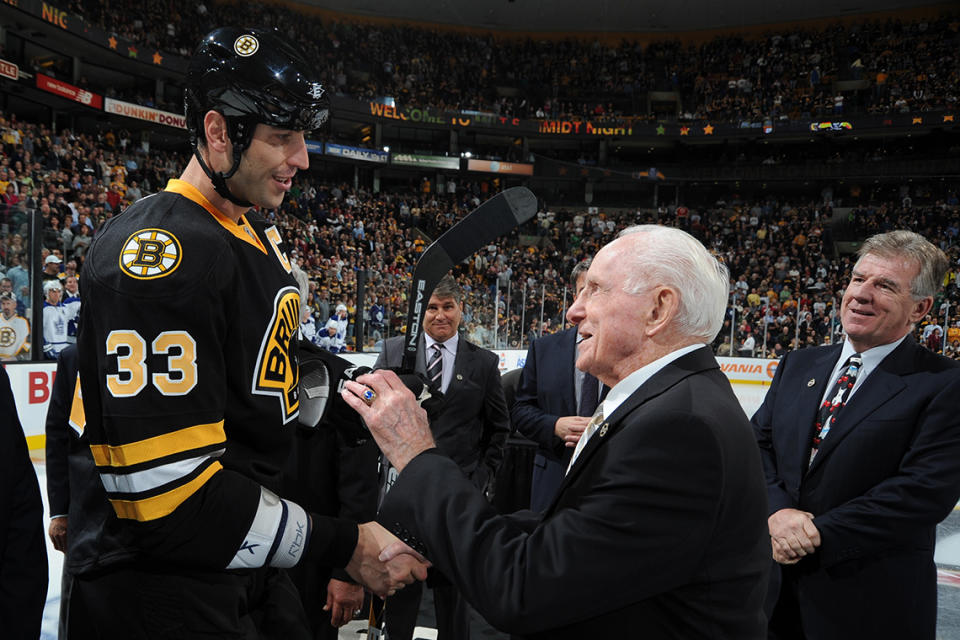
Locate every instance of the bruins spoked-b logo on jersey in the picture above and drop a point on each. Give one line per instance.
(278, 372)
(149, 254)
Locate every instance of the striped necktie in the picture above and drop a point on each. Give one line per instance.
(435, 366)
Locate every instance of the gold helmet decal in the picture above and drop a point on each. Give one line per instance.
(149, 254)
(245, 46)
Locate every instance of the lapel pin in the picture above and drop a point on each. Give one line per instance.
(603, 430)
(811, 382)
(459, 376)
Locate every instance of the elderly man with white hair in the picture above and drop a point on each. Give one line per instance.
(658, 530)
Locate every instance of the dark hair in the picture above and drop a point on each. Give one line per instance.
(579, 269)
(448, 288)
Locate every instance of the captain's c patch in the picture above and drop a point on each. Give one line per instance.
(149, 254)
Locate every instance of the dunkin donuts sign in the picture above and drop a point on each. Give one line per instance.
(141, 112)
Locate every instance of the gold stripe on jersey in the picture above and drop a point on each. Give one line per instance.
(167, 444)
(78, 419)
(164, 504)
(239, 229)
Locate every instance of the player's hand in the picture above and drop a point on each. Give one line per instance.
(570, 428)
(383, 578)
(58, 533)
(793, 535)
(344, 600)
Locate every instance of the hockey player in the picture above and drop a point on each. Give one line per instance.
(331, 339)
(14, 330)
(189, 372)
(56, 320)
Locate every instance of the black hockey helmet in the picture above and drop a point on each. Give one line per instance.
(250, 75)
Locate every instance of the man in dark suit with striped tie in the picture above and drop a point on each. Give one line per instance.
(554, 403)
(471, 427)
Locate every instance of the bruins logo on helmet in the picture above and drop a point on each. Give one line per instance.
(149, 254)
(246, 45)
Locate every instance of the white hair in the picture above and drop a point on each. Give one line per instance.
(676, 259)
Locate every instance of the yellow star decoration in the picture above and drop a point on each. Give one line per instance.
(708, 130)
(157, 58)
(112, 42)
(918, 121)
(684, 131)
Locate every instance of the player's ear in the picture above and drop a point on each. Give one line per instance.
(215, 130)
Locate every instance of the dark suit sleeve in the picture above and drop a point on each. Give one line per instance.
(527, 417)
(639, 531)
(496, 423)
(23, 552)
(897, 510)
(777, 496)
(58, 433)
(357, 485)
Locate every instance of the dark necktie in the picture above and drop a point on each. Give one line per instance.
(589, 395)
(435, 366)
(830, 409)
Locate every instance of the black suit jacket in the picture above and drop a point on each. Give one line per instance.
(881, 481)
(545, 394)
(471, 424)
(23, 551)
(70, 464)
(659, 530)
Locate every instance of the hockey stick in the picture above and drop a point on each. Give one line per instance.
(495, 217)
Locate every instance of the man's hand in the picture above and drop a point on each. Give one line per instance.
(383, 578)
(343, 601)
(58, 533)
(570, 428)
(397, 422)
(792, 535)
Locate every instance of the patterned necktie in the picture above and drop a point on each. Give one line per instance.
(830, 409)
(591, 427)
(435, 366)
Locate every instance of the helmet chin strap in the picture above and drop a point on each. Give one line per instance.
(219, 178)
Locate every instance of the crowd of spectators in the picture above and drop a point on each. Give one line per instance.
(786, 280)
(904, 65)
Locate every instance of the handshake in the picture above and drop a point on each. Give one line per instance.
(384, 564)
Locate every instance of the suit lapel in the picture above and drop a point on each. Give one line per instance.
(808, 400)
(683, 367)
(421, 363)
(463, 364)
(880, 387)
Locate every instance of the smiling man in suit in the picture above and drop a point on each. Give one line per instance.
(861, 450)
(471, 427)
(657, 531)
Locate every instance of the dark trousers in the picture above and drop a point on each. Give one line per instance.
(75, 622)
(782, 606)
(453, 617)
(149, 604)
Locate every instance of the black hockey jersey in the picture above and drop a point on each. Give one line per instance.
(188, 367)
